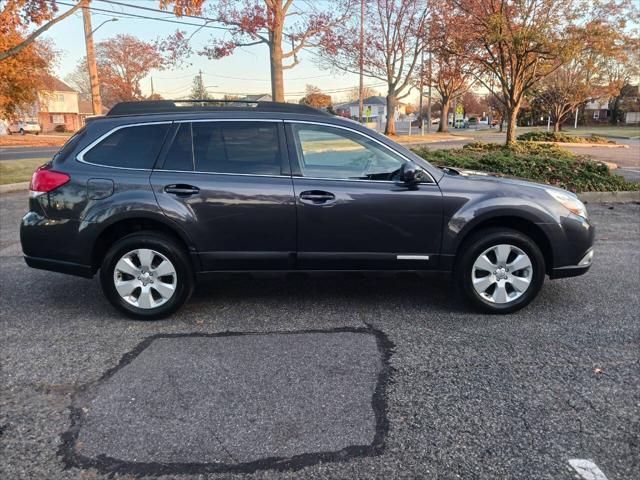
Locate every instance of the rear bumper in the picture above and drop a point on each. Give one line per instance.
(60, 266)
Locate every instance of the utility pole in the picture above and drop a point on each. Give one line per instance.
(421, 92)
(429, 98)
(202, 91)
(361, 88)
(96, 101)
(152, 92)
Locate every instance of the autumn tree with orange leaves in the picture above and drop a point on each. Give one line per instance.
(17, 15)
(123, 62)
(518, 43)
(587, 75)
(451, 74)
(25, 63)
(282, 26)
(396, 37)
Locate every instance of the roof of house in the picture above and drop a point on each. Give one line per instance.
(85, 107)
(255, 98)
(54, 84)
(374, 100)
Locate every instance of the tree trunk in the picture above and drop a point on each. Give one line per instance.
(557, 126)
(275, 57)
(444, 116)
(512, 120)
(390, 126)
(613, 119)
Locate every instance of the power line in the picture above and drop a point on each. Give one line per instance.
(166, 12)
(136, 16)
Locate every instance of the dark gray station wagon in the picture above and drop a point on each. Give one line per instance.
(155, 195)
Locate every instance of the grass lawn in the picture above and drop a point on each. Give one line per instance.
(14, 171)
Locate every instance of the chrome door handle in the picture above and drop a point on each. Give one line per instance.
(316, 197)
(182, 190)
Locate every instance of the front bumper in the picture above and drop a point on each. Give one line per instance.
(574, 270)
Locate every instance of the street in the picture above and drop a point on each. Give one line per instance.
(337, 377)
(18, 153)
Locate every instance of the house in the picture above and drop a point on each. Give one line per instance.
(85, 109)
(597, 111)
(58, 107)
(375, 109)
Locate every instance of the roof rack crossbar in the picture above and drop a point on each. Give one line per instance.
(200, 105)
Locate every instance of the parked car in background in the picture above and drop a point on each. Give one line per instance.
(24, 126)
(157, 194)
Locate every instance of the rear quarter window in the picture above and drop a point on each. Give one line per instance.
(129, 147)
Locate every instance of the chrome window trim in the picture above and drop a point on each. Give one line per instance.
(323, 124)
(157, 170)
(202, 120)
(80, 156)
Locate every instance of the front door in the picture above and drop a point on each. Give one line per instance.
(228, 184)
(353, 213)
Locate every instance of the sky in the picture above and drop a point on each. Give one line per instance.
(246, 71)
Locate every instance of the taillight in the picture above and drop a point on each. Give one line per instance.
(44, 180)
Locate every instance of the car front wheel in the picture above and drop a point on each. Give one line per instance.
(500, 270)
(146, 276)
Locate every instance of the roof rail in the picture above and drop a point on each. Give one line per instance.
(175, 106)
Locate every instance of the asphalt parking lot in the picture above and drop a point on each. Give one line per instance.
(345, 377)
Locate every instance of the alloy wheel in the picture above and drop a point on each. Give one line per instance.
(145, 278)
(502, 273)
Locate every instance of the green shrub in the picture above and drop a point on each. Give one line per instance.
(542, 163)
(561, 137)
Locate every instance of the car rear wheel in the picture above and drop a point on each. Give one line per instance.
(146, 276)
(500, 270)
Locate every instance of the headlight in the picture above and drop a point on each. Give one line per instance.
(569, 201)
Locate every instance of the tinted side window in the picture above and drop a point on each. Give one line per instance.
(237, 147)
(180, 154)
(328, 152)
(130, 147)
(71, 144)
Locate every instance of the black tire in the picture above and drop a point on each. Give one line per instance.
(167, 247)
(473, 247)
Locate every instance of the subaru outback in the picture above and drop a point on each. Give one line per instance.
(156, 195)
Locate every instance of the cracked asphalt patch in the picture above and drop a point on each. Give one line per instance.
(235, 402)
(470, 396)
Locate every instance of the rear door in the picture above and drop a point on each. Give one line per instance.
(228, 183)
(353, 212)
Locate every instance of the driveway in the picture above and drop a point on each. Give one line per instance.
(338, 377)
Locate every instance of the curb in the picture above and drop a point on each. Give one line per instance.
(436, 140)
(586, 145)
(610, 197)
(14, 187)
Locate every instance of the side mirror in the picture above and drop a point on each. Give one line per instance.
(410, 174)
